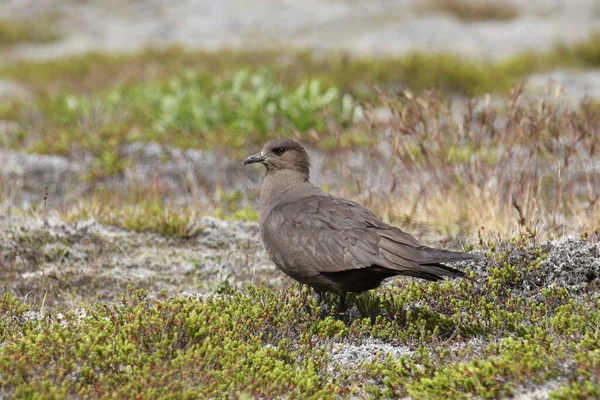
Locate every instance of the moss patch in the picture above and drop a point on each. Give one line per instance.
(138, 210)
(485, 337)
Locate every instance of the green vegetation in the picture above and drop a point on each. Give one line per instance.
(236, 112)
(471, 10)
(265, 343)
(416, 71)
(493, 148)
(13, 32)
(150, 209)
(188, 111)
(508, 327)
(501, 167)
(191, 111)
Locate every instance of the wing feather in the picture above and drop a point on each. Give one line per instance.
(322, 234)
(322, 231)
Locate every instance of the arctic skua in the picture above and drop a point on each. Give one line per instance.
(331, 243)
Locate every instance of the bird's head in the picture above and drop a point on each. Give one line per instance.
(282, 154)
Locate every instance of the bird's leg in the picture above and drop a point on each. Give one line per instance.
(342, 304)
(318, 297)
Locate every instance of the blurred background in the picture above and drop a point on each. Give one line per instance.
(455, 119)
(486, 29)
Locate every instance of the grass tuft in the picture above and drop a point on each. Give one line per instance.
(137, 209)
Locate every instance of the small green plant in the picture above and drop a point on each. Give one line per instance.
(187, 111)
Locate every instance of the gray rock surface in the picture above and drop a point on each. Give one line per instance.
(188, 176)
(572, 86)
(25, 176)
(66, 262)
(571, 264)
(351, 355)
(11, 91)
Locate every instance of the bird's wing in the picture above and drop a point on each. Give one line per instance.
(323, 233)
(330, 234)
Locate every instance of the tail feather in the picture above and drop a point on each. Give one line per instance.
(402, 256)
(432, 272)
(442, 270)
(435, 256)
(421, 275)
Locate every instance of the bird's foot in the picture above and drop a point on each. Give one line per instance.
(318, 297)
(342, 304)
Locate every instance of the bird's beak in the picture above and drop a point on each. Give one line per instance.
(255, 158)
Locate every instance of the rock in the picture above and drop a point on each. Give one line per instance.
(27, 176)
(11, 91)
(374, 28)
(573, 86)
(86, 259)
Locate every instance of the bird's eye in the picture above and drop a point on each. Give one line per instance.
(279, 150)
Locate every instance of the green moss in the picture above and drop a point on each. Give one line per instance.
(585, 53)
(515, 363)
(246, 214)
(467, 339)
(154, 348)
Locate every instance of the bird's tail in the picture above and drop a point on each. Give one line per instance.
(433, 269)
(435, 272)
(435, 256)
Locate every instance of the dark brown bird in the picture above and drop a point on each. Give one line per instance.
(331, 243)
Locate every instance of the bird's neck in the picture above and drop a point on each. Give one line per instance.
(278, 182)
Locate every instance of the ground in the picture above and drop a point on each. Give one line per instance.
(130, 255)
